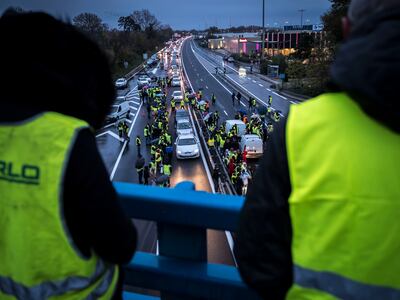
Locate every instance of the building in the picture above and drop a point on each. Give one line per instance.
(278, 41)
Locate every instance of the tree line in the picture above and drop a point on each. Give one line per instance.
(138, 33)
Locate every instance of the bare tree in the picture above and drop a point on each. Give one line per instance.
(90, 23)
(128, 24)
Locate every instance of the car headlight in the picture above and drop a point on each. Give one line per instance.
(179, 152)
(196, 151)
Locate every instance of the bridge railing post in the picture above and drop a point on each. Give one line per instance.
(179, 241)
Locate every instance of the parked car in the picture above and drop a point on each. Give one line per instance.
(176, 82)
(231, 59)
(143, 80)
(118, 112)
(181, 114)
(121, 83)
(253, 144)
(187, 146)
(183, 127)
(177, 95)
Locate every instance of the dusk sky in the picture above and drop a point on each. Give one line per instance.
(186, 14)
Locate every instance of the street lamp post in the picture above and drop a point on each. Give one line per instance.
(263, 30)
(301, 18)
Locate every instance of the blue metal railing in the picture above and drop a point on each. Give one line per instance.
(183, 215)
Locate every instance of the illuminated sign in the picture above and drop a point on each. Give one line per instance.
(243, 40)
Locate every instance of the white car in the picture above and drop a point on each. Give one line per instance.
(253, 144)
(187, 146)
(177, 95)
(143, 80)
(176, 82)
(121, 83)
(118, 112)
(183, 127)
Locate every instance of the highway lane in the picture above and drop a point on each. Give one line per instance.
(120, 161)
(251, 84)
(119, 157)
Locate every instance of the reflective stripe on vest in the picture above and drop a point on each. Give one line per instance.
(60, 287)
(344, 171)
(342, 287)
(38, 257)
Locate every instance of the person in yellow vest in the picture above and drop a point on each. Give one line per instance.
(182, 104)
(211, 141)
(173, 104)
(55, 191)
(167, 170)
(321, 219)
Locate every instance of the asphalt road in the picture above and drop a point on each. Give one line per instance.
(120, 157)
(201, 64)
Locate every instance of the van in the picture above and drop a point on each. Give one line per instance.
(240, 124)
(119, 112)
(253, 144)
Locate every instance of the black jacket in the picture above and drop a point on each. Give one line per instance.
(367, 67)
(65, 72)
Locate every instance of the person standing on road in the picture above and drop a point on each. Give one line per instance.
(213, 99)
(270, 100)
(148, 107)
(233, 98)
(239, 97)
(54, 241)
(146, 175)
(138, 144)
(321, 219)
(140, 162)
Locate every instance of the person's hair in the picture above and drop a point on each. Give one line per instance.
(359, 10)
(51, 66)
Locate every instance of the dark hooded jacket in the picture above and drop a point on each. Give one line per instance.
(47, 65)
(367, 67)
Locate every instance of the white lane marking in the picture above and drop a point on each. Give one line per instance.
(132, 92)
(268, 90)
(109, 125)
(114, 135)
(254, 81)
(231, 244)
(129, 121)
(229, 91)
(226, 113)
(123, 147)
(201, 79)
(207, 87)
(260, 84)
(134, 108)
(279, 95)
(134, 102)
(257, 98)
(157, 249)
(210, 180)
(242, 103)
(132, 114)
(109, 132)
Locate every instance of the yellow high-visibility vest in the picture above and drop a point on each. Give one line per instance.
(38, 259)
(344, 205)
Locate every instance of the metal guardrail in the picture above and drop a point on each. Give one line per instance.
(183, 215)
(132, 73)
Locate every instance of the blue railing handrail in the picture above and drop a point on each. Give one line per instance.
(183, 216)
(180, 206)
